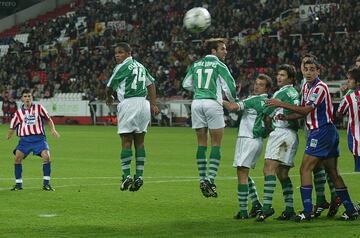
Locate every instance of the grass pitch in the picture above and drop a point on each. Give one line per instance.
(87, 202)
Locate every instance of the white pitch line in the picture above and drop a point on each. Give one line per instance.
(174, 179)
(179, 178)
(47, 215)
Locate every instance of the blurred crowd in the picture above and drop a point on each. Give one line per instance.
(155, 31)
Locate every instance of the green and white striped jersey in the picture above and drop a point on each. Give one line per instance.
(130, 79)
(289, 95)
(252, 124)
(208, 77)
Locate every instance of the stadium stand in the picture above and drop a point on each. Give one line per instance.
(69, 50)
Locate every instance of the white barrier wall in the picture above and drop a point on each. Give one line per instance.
(66, 108)
(62, 108)
(56, 107)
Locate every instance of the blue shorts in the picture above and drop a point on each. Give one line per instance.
(35, 144)
(323, 142)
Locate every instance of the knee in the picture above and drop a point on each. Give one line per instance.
(45, 157)
(268, 169)
(18, 160)
(126, 144)
(282, 176)
(140, 145)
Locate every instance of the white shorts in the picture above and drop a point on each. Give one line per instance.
(207, 113)
(133, 115)
(247, 152)
(282, 146)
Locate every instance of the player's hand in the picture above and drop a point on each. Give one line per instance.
(9, 134)
(343, 88)
(272, 102)
(109, 100)
(55, 134)
(230, 106)
(281, 117)
(154, 109)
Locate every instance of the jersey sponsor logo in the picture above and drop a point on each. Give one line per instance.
(292, 94)
(313, 143)
(30, 119)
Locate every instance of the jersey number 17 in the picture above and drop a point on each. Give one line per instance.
(208, 73)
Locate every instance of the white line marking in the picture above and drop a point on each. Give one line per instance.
(159, 177)
(164, 179)
(47, 215)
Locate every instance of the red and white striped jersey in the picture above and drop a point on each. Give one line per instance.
(318, 96)
(29, 121)
(351, 103)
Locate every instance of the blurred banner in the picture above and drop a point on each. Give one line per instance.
(309, 11)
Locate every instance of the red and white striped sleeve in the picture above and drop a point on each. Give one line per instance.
(43, 112)
(344, 105)
(15, 121)
(317, 96)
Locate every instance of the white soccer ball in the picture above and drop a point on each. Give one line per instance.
(197, 19)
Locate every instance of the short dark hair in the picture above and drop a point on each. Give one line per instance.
(313, 61)
(354, 72)
(213, 44)
(309, 55)
(266, 78)
(358, 59)
(25, 91)
(290, 70)
(125, 46)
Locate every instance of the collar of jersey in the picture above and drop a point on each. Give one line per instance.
(286, 86)
(214, 56)
(126, 60)
(23, 107)
(314, 83)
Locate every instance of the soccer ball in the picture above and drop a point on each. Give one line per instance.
(197, 19)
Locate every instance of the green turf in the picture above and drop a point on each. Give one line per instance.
(88, 203)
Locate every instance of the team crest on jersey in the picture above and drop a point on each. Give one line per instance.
(313, 97)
